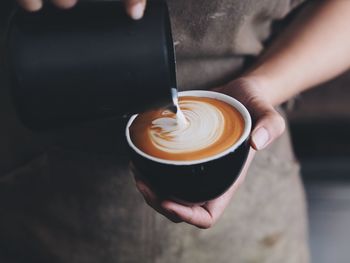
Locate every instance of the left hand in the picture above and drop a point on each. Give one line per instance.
(134, 8)
(200, 215)
(268, 125)
(35, 5)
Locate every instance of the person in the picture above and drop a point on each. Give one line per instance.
(67, 196)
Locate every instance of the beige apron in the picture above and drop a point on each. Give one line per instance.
(68, 197)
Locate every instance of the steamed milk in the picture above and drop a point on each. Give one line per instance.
(202, 128)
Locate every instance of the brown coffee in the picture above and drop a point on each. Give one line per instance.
(211, 127)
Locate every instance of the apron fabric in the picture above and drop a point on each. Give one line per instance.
(67, 196)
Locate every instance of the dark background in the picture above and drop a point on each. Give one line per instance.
(320, 126)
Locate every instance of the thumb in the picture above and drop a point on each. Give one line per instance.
(135, 8)
(269, 126)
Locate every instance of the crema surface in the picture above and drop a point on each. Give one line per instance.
(210, 127)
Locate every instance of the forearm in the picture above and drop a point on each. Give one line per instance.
(314, 49)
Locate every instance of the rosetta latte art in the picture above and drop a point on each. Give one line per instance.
(203, 127)
(207, 127)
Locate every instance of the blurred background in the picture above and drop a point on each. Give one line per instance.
(320, 126)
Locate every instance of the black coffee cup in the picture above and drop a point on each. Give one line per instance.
(200, 180)
(89, 62)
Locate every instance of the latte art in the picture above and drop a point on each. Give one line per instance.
(204, 127)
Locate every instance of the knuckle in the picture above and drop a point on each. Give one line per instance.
(253, 101)
(30, 6)
(206, 225)
(280, 124)
(175, 220)
(274, 122)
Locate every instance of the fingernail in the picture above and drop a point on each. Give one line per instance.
(260, 138)
(38, 5)
(137, 11)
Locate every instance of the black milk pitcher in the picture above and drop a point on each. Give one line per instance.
(89, 62)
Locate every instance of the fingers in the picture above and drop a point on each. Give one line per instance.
(269, 124)
(151, 198)
(177, 213)
(244, 171)
(35, 5)
(200, 215)
(64, 4)
(31, 5)
(155, 202)
(135, 8)
(195, 215)
(206, 215)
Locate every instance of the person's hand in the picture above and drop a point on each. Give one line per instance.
(200, 215)
(268, 125)
(134, 8)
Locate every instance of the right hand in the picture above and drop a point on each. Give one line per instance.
(134, 8)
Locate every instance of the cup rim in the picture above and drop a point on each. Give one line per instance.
(208, 94)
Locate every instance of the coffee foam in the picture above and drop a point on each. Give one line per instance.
(211, 127)
(203, 126)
